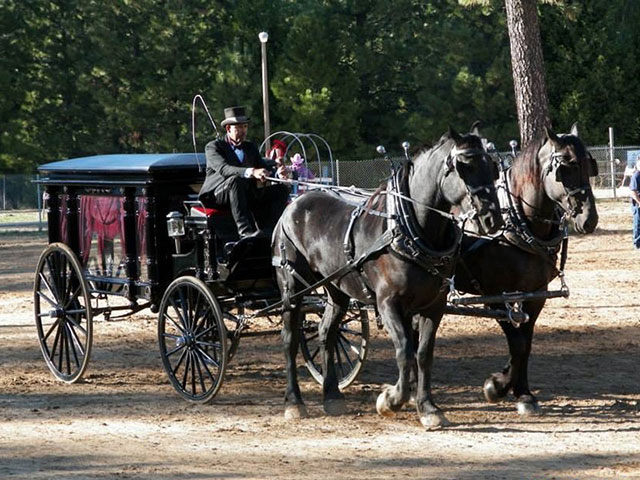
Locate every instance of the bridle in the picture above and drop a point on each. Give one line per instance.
(556, 161)
(465, 155)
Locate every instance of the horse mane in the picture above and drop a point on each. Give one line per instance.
(526, 169)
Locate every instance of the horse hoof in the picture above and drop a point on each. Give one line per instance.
(335, 407)
(491, 390)
(434, 421)
(382, 407)
(530, 408)
(295, 412)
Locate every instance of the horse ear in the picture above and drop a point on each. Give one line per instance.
(574, 129)
(551, 135)
(475, 128)
(453, 135)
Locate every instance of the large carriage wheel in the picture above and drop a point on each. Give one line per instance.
(63, 313)
(351, 349)
(192, 339)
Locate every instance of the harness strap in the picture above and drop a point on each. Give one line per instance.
(381, 242)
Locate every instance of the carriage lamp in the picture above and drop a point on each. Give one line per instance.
(175, 227)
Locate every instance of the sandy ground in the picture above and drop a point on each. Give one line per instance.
(125, 420)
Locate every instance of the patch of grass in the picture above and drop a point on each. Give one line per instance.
(20, 216)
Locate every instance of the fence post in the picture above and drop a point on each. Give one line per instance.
(611, 162)
(4, 192)
(338, 172)
(39, 203)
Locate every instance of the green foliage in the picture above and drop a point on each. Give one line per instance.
(83, 77)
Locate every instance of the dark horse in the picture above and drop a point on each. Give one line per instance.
(548, 182)
(401, 246)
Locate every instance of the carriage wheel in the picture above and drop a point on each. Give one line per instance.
(351, 349)
(192, 338)
(63, 313)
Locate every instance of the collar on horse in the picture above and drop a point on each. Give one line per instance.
(517, 231)
(407, 240)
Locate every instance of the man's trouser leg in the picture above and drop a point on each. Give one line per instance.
(636, 225)
(233, 193)
(269, 203)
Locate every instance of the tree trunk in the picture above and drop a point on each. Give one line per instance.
(527, 65)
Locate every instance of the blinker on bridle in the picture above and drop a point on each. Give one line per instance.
(556, 161)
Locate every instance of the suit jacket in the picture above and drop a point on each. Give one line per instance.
(222, 162)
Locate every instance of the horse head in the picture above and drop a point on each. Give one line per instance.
(566, 167)
(468, 179)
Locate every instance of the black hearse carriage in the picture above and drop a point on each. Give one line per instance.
(126, 232)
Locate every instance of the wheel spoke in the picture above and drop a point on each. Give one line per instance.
(181, 329)
(196, 311)
(177, 349)
(76, 341)
(209, 359)
(72, 297)
(185, 376)
(68, 346)
(204, 364)
(180, 360)
(75, 323)
(53, 325)
(341, 344)
(54, 347)
(62, 344)
(48, 285)
(51, 302)
(204, 332)
(53, 280)
(184, 312)
(180, 314)
(200, 376)
(202, 318)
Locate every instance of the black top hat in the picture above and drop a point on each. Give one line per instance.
(234, 115)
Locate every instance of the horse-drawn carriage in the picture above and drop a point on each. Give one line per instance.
(129, 226)
(126, 233)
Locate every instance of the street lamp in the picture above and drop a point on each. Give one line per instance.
(264, 38)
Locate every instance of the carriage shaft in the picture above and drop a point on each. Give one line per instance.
(510, 297)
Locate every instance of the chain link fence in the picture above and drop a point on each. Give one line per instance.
(19, 192)
(369, 173)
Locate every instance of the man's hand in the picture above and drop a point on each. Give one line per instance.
(259, 174)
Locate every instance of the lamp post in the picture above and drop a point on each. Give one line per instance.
(264, 37)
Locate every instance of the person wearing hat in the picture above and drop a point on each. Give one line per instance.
(234, 170)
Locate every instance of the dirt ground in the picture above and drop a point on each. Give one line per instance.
(125, 420)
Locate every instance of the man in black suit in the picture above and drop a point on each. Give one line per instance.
(234, 170)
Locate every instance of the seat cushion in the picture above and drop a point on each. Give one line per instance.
(209, 212)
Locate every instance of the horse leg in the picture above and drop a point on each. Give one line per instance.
(515, 373)
(393, 397)
(431, 416)
(333, 398)
(294, 406)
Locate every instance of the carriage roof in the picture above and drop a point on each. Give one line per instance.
(125, 169)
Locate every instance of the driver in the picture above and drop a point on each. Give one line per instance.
(235, 173)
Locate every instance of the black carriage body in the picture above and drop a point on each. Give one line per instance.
(111, 211)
